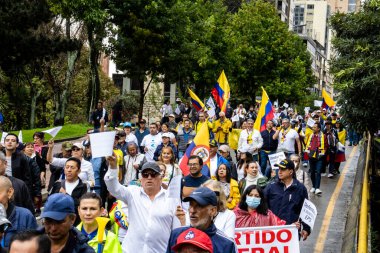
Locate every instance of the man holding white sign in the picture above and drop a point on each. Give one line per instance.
(286, 196)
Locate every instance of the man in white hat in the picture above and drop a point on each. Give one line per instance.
(179, 110)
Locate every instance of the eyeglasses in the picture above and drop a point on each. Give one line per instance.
(75, 149)
(151, 174)
(193, 164)
(3, 228)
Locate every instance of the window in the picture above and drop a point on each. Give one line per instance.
(118, 80)
(135, 84)
(310, 6)
(167, 90)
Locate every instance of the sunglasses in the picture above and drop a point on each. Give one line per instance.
(151, 174)
(3, 228)
(75, 149)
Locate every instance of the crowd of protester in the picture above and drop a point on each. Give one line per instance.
(120, 203)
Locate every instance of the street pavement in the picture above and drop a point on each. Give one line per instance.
(332, 207)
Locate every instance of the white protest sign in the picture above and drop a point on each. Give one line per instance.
(307, 110)
(267, 239)
(317, 103)
(275, 103)
(308, 213)
(102, 144)
(53, 131)
(211, 112)
(3, 137)
(285, 105)
(276, 159)
(235, 118)
(20, 137)
(210, 103)
(310, 122)
(174, 189)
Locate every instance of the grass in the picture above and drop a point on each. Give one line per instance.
(67, 131)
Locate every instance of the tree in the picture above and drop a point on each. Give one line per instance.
(139, 43)
(263, 52)
(94, 16)
(23, 47)
(356, 67)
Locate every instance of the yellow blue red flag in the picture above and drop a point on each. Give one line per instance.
(200, 146)
(197, 103)
(265, 114)
(327, 101)
(221, 92)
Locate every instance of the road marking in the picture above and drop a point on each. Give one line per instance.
(330, 208)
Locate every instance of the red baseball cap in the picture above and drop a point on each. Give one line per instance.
(195, 237)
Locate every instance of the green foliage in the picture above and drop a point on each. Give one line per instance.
(67, 131)
(357, 66)
(264, 53)
(20, 41)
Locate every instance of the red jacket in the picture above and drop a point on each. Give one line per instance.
(254, 219)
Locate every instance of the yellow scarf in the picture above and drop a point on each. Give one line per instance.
(249, 138)
(284, 133)
(321, 143)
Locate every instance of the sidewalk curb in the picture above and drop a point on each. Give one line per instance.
(351, 226)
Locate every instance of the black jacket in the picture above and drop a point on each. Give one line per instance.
(21, 169)
(21, 196)
(77, 242)
(35, 174)
(78, 191)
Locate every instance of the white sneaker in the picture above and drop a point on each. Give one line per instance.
(312, 190)
(323, 174)
(330, 175)
(304, 164)
(317, 191)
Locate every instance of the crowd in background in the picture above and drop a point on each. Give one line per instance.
(120, 203)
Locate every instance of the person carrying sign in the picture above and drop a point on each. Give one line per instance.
(286, 196)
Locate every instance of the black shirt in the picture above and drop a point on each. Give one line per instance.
(268, 143)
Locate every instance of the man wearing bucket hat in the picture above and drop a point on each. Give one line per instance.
(58, 219)
(202, 212)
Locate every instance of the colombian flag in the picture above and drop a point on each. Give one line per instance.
(197, 103)
(327, 101)
(221, 92)
(265, 114)
(200, 146)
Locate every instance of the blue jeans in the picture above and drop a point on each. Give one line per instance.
(264, 163)
(353, 137)
(315, 172)
(96, 164)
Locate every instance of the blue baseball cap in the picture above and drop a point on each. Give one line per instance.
(127, 124)
(58, 206)
(203, 196)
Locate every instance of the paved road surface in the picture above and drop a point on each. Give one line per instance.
(332, 208)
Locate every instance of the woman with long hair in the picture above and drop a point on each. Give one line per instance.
(244, 159)
(253, 210)
(172, 169)
(230, 186)
(253, 176)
